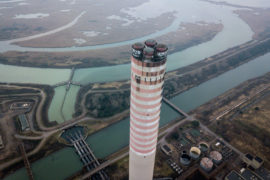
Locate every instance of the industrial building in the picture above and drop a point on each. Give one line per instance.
(254, 162)
(234, 176)
(148, 63)
(21, 106)
(245, 174)
(23, 123)
(166, 149)
(1, 143)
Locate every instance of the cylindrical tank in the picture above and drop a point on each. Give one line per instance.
(216, 157)
(161, 51)
(206, 164)
(194, 152)
(185, 159)
(150, 43)
(148, 53)
(137, 50)
(203, 146)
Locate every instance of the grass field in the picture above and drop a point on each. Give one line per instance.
(248, 127)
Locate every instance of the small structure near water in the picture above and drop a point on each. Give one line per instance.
(76, 136)
(23, 122)
(71, 132)
(1, 143)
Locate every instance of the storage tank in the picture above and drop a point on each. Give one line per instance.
(216, 157)
(206, 164)
(203, 146)
(150, 43)
(185, 159)
(194, 152)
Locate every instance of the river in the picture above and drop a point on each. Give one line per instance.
(65, 162)
(176, 60)
(234, 32)
(115, 137)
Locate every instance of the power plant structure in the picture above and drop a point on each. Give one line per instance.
(148, 64)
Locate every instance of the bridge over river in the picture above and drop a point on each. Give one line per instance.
(68, 82)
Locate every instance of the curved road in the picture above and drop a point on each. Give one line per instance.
(72, 23)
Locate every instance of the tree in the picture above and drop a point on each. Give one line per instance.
(257, 108)
(195, 124)
(175, 135)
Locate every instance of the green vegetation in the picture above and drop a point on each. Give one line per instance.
(257, 108)
(83, 90)
(174, 135)
(195, 124)
(8, 91)
(106, 104)
(162, 169)
(119, 169)
(259, 49)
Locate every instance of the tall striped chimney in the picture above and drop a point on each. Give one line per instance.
(148, 63)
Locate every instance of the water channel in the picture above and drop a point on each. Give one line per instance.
(234, 32)
(114, 137)
(65, 162)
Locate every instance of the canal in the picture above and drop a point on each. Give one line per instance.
(235, 32)
(65, 162)
(115, 137)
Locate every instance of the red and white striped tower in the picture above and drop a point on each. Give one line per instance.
(148, 63)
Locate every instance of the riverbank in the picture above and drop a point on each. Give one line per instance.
(247, 89)
(177, 41)
(190, 76)
(258, 19)
(109, 140)
(111, 86)
(240, 116)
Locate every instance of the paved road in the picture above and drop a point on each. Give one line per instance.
(72, 23)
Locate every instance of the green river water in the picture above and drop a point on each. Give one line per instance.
(115, 137)
(65, 162)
